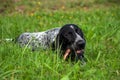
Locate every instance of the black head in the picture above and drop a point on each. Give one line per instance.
(71, 37)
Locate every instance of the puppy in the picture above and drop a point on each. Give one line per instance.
(69, 39)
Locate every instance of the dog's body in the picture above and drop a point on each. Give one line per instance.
(38, 40)
(69, 39)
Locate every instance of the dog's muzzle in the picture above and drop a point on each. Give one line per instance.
(80, 44)
(79, 49)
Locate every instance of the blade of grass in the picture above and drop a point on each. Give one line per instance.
(7, 73)
(46, 65)
(98, 56)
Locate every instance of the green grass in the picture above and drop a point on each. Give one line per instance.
(102, 31)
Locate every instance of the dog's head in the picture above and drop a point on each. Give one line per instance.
(71, 37)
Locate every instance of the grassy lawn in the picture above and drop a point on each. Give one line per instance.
(99, 20)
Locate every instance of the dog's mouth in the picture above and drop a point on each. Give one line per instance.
(79, 51)
(67, 52)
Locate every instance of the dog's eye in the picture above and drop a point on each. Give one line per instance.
(69, 32)
(66, 35)
(76, 30)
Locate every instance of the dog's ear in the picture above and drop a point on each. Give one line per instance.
(60, 42)
(57, 42)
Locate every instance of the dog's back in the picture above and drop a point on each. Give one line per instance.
(38, 39)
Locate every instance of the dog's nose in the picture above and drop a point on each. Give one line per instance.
(81, 42)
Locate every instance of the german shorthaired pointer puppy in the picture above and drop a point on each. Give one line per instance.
(69, 39)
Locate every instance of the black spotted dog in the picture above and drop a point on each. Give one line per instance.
(69, 39)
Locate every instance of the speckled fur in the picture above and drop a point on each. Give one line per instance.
(38, 40)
